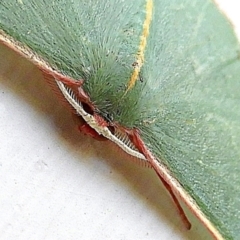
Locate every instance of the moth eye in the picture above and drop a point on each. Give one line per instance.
(87, 108)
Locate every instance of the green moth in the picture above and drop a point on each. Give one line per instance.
(159, 78)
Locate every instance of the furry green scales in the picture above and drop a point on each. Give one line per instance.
(159, 78)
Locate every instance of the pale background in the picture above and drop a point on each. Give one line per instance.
(56, 183)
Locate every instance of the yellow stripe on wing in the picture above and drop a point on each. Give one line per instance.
(143, 42)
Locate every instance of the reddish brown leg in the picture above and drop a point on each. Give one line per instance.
(137, 141)
(179, 207)
(84, 128)
(67, 80)
(75, 85)
(87, 130)
(64, 79)
(52, 75)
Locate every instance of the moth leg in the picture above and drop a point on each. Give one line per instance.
(87, 130)
(84, 128)
(53, 75)
(179, 207)
(136, 139)
(67, 80)
(60, 77)
(76, 86)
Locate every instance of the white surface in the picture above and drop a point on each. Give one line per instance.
(231, 9)
(58, 184)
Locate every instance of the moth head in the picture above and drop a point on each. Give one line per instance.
(91, 122)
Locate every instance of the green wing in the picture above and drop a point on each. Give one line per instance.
(186, 100)
(194, 81)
